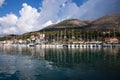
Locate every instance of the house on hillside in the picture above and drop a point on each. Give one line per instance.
(111, 40)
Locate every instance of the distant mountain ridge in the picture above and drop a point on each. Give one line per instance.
(109, 21)
(67, 24)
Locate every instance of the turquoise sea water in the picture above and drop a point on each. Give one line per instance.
(33, 63)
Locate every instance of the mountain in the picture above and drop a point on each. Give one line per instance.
(8, 37)
(70, 23)
(109, 21)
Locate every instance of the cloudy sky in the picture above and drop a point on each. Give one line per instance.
(20, 16)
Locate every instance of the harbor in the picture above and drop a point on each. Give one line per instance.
(59, 39)
(88, 45)
(70, 38)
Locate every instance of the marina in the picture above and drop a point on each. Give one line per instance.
(59, 40)
(66, 45)
(71, 38)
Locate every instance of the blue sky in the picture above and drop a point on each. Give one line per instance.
(15, 5)
(20, 16)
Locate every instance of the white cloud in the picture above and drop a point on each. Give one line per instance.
(50, 10)
(1, 2)
(47, 23)
(7, 23)
(9, 19)
(53, 11)
(9, 30)
(97, 8)
(28, 19)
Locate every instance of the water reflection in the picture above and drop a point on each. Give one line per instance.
(35, 63)
(83, 58)
(20, 63)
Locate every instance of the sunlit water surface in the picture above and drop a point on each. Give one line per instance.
(34, 63)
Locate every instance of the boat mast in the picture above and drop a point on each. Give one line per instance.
(114, 33)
